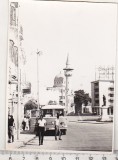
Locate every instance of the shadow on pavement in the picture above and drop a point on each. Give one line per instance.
(26, 132)
(47, 133)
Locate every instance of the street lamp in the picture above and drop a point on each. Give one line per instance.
(38, 54)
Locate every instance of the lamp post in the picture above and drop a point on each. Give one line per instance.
(38, 54)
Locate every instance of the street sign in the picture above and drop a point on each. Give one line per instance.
(40, 155)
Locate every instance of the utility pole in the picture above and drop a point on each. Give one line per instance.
(38, 54)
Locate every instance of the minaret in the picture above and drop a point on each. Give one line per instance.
(68, 73)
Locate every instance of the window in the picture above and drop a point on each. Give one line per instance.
(48, 113)
(111, 95)
(111, 100)
(110, 111)
(111, 88)
(96, 95)
(96, 84)
(97, 101)
(96, 90)
(12, 15)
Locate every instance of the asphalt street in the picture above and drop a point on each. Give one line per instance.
(81, 136)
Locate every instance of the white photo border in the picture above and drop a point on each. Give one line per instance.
(115, 128)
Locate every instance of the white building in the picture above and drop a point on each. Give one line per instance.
(16, 62)
(57, 93)
(99, 89)
(13, 61)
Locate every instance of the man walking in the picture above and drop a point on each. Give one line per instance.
(42, 125)
(11, 126)
(24, 124)
(57, 128)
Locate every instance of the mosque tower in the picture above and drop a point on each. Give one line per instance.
(68, 73)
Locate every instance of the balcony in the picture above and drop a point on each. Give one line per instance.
(111, 100)
(111, 95)
(111, 88)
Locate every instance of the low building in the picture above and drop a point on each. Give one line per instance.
(87, 109)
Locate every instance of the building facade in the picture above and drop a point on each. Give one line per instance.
(102, 93)
(13, 60)
(16, 61)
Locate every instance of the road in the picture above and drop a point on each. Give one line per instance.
(81, 136)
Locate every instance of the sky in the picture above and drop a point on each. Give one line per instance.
(87, 31)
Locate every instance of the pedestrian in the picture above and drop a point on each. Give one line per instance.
(36, 128)
(27, 124)
(42, 128)
(57, 128)
(11, 126)
(24, 124)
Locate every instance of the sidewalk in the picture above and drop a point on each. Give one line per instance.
(24, 138)
(86, 119)
(82, 118)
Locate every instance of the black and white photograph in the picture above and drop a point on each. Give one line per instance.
(61, 76)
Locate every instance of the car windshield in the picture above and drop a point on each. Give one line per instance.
(52, 112)
(47, 112)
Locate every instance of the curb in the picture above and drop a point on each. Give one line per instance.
(94, 122)
(89, 121)
(25, 142)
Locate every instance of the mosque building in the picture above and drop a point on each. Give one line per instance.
(59, 84)
(65, 97)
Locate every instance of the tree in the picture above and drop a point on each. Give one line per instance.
(86, 99)
(80, 98)
(31, 104)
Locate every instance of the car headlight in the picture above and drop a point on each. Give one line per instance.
(62, 123)
(52, 122)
